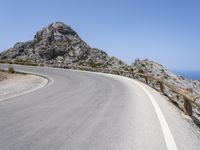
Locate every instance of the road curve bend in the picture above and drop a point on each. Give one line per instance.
(92, 111)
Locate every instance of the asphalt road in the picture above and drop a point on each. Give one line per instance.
(89, 111)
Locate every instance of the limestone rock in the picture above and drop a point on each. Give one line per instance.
(154, 69)
(60, 44)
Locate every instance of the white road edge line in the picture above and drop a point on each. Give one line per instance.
(169, 140)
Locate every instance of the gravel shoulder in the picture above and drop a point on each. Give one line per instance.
(13, 85)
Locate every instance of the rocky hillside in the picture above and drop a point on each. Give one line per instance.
(154, 69)
(157, 70)
(59, 44)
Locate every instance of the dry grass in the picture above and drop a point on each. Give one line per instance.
(20, 62)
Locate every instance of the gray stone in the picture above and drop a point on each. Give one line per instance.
(157, 70)
(59, 40)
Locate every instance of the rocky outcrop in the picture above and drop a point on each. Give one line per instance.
(157, 70)
(58, 44)
(154, 69)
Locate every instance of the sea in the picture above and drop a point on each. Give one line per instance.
(193, 75)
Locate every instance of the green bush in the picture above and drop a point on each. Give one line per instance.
(11, 69)
(131, 69)
(141, 71)
(94, 65)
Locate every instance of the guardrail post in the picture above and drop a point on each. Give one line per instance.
(187, 107)
(133, 75)
(146, 80)
(161, 87)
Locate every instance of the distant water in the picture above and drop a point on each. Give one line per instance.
(193, 75)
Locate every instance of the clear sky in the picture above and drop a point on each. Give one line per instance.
(166, 31)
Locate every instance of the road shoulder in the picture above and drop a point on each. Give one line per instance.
(19, 84)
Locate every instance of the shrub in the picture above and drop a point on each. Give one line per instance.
(11, 69)
(94, 65)
(141, 71)
(131, 69)
(143, 65)
(4, 61)
(162, 70)
(19, 61)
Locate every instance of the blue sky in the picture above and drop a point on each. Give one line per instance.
(166, 31)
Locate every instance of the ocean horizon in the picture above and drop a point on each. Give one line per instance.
(193, 75)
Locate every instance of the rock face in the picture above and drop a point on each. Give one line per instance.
(154, 69)
(59, 44)
(157, 70)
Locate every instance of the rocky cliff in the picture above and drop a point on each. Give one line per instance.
(154, 69)
(59, 44)
(157, 70)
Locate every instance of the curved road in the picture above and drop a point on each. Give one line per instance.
(92, 111)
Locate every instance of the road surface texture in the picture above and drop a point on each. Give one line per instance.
(91, 111)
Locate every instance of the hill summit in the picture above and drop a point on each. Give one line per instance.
(59, 44)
